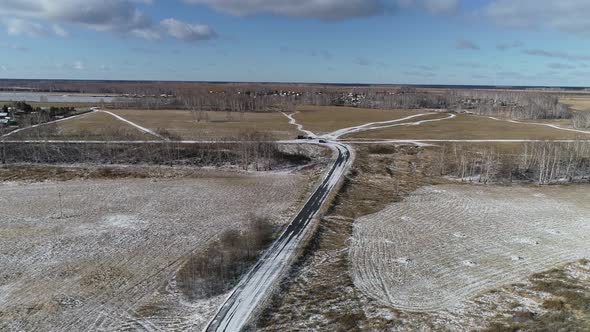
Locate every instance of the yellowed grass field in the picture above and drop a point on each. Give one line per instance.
(577, 103)
(470, 127)
(565, 123)
(326, 119)
(92, 126)
(217, 124)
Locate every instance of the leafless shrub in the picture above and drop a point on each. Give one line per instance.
(219, 267)
(169, 135)
(581, 120)
(253, 152)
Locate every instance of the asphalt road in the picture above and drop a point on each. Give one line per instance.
(256, 286)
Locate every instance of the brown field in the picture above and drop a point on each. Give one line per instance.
(577, 103)
(218, 124)
(325, 119)
(92, 126)
(470, 127)
(565, 123)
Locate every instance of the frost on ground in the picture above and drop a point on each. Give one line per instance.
(443, 245)
(106, 260)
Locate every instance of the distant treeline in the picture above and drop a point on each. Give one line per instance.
(511, 104)
(252, 97)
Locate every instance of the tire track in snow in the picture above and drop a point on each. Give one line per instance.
(452, 236)
(542, 124)
(384, 124)
(292, 121)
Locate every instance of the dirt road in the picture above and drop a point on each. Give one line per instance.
(256, 286)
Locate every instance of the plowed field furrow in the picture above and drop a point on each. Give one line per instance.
(445, 244)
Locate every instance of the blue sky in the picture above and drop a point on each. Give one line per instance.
(496, 42)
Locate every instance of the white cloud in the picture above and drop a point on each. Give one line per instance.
(42, 17)
(362, 61)
(432, 6)
(78, 65)
(511, 45)
(320, 9)
(557, 55)
(560, 66)
(325, 9)
(59, 31)
(463, 44)
(101, 15)
(16, 27)
(186, 31)
(149, 34)
(24, 27)
(563, 15)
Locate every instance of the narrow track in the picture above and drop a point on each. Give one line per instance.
(256, 286)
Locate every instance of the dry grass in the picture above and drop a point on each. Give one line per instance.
(41, 173)
(577, 103)
(320, 294)
(565, 305)
(470, 127)
(214, 125)
(325, 119)
(91, 126)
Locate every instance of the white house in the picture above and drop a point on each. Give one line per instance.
(5, 118)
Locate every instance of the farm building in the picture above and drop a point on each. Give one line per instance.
(5, 118)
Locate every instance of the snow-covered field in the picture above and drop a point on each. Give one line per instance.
(445, 244)
(109, 262)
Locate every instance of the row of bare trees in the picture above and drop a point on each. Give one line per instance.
(550, 162)
(461, 161)
(512, 104)
(539, 162)
(250, 153)
(581, 120)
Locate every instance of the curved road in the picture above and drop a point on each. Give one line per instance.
(255, 287)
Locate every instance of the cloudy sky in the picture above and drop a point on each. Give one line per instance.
(495, 42)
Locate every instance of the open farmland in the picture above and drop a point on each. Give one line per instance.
(577, 103)
(210, 125)
(107, 259)
(471, 127)
(90, 126)
(445, 244)
(326, 119)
